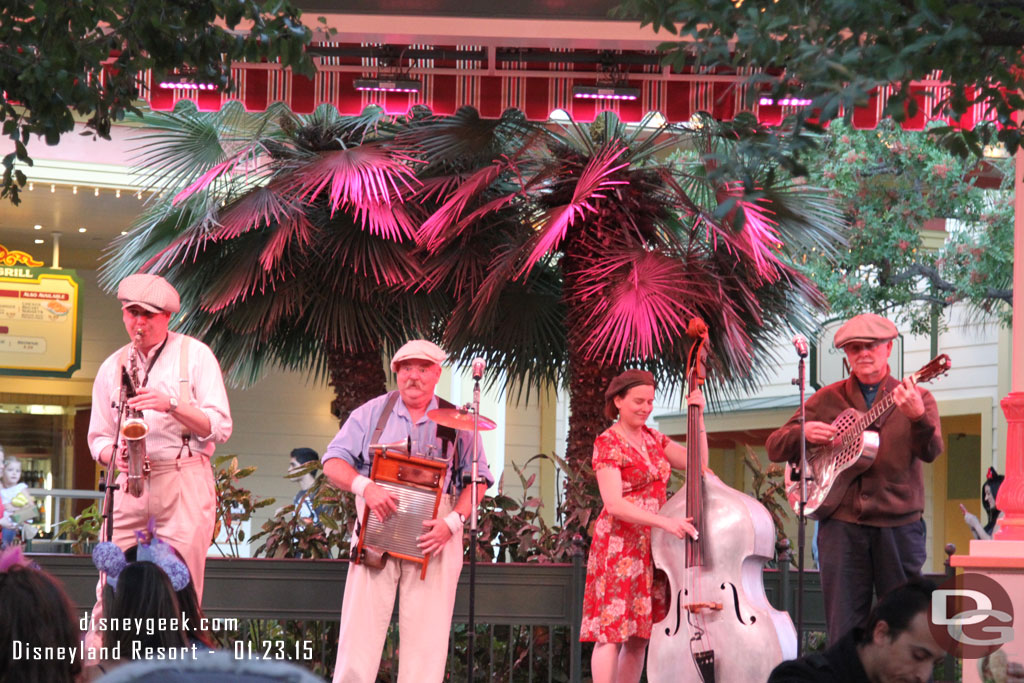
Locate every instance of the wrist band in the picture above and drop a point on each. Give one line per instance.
(359, 484)
(454, 522)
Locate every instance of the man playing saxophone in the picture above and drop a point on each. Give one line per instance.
(175, 389)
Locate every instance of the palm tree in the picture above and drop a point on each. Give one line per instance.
(288, 239)
(626, 234)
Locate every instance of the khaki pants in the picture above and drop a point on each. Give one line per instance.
(424, 614)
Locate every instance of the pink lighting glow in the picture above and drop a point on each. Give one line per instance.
(392, 85)
(183, 85)
(605, 92)
(784, 102)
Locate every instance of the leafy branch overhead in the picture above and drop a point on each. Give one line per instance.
(923, 234)
(836, 52)
(67, 61)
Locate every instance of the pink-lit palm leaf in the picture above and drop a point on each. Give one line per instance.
(757, 238)
(260, 208)
(637, 303)
(594, 179)
(368, 180)
(436, 230)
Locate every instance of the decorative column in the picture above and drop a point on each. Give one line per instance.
(1011, 492)
(1002, 559)
(1010, 499)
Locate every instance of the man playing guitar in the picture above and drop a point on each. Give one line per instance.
(875, 539)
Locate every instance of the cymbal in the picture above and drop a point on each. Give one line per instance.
(456, 418)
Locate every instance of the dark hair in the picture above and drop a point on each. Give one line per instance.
(144, 592)
(621, 385)
(304, 455)
(36, 610)
(188, 601)
(992, 483)
(899, 607)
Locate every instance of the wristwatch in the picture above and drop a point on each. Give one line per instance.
(174, 404)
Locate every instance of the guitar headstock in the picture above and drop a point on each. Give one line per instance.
(936, 367)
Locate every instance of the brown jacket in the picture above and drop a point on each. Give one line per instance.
(891, 491)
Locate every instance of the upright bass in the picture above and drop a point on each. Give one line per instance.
(720, 627)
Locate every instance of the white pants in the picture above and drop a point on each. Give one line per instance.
(424, 614)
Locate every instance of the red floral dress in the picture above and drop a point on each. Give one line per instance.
(617, 600)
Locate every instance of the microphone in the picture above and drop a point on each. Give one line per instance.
(800, 343)
(479, 364)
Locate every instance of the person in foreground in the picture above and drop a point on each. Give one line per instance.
(896, 644)
(35, 614)
(874, 540)
(425, 606)
(632, 463)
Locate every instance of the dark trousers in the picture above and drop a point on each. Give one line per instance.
(857, 560)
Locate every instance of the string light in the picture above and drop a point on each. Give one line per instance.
(37, 227)
(31, 187)
(81, 230)
(117, 194)
(95, 192)
(74, 189)
(53, 188)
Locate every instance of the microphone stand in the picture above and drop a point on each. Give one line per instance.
(109, 483)
(474, 495)
(801, 530)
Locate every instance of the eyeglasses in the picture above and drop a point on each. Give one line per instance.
(853, 348)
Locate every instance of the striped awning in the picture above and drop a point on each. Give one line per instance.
(676, 97)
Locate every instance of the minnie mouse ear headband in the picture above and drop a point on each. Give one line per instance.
(110, 559)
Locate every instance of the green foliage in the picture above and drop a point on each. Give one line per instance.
(287, 534)
(83, 530)
(769, 488)
(835, 52)
(889, 183)
(235, 503)
(62, 59)
(514, 531)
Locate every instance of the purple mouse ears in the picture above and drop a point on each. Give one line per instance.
(110, 559)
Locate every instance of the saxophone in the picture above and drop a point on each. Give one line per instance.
(134, 429)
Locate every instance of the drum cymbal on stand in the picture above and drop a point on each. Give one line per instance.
(456, 418)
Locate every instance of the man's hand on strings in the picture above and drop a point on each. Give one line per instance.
(907, 397)
(819, 432)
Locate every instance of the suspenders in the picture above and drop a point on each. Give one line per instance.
(447, 435)
(184, 385)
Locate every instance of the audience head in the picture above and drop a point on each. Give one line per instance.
(143, 591)
(36, 612)
(11, 473)
(188, 601)
(897, 642)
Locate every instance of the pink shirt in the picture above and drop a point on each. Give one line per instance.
(164, 439)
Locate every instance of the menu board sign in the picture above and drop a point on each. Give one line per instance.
(40, 321)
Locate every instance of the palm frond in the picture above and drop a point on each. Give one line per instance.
(595, 178)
